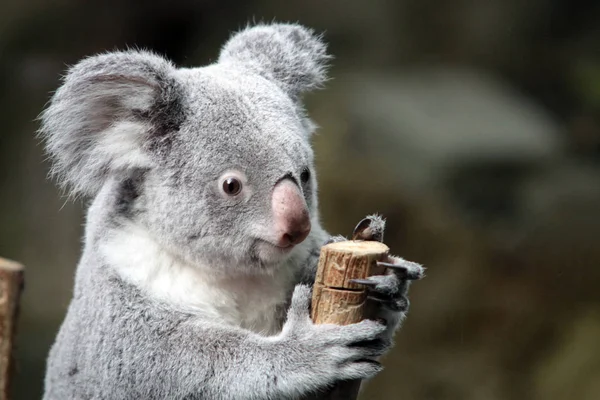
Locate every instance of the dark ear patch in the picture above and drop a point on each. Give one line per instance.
(166, 116)
(129, 191)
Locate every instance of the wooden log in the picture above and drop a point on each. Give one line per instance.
(338, 301)
(11, 285)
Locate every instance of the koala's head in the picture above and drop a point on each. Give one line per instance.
(214, 162)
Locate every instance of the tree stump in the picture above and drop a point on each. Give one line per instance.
(11, 285)
(336, 300)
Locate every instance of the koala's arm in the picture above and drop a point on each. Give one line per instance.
(131, 348)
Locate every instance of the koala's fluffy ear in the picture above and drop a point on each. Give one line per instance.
(111, 113)
(290, 55)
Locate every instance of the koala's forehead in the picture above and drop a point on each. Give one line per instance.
(238, 120)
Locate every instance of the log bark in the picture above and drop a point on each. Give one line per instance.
(11, 285)
(338, 301)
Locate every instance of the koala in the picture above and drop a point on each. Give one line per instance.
(202, 232)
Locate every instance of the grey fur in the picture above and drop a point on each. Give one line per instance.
(295, 58)
(149, 142)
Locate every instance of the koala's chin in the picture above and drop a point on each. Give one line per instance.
(270, 254)
(258, 257)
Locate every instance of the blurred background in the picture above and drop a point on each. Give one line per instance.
(472, 125)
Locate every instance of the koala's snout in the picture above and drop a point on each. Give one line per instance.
(290, 214)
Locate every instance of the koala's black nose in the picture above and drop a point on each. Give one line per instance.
(294, 237)
(290, 214)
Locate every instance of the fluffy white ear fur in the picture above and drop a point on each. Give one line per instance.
(290, 55)
(122, 144)
(99, 119)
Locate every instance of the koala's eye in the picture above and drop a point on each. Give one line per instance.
(232, 186)
(305, 175)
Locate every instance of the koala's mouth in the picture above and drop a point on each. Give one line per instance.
(287, 247)
(284, 249)
(270, 253)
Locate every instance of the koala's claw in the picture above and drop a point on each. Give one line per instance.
(400, 304)
(365, 282)
(405, 269)
(383, 286)
(390, 290)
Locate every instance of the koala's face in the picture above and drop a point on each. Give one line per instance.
(236, 185)
(214, 162)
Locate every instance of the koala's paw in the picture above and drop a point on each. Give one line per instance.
(390, 290)
(331, 353)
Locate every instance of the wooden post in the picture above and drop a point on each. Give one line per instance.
(11, 285)
(336, 300)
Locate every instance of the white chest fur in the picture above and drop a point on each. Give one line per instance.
(248, 301)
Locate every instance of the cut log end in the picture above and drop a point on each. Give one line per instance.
(358, 247)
